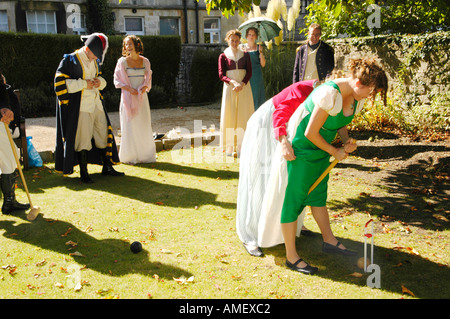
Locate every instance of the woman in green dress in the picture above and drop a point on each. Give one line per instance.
(258, 62)
(326, 112)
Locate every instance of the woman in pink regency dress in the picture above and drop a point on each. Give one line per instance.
(133, 75)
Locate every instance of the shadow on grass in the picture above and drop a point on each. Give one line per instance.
(144, 190)
(193, 171)
(417, 192)
(402, 152)
(107, 256)
(426, 279)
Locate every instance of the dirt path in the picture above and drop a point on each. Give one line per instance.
(415, 175)
(43, 129)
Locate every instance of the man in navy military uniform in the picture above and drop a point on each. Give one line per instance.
(315, 59)
(84, 133)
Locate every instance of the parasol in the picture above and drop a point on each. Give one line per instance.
(267, 28)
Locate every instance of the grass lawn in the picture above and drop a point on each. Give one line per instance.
(184, 216)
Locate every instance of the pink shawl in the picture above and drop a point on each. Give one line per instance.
(131, 102)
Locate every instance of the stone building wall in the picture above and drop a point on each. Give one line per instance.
(417, 65)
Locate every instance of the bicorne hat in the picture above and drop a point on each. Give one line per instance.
(98, 44)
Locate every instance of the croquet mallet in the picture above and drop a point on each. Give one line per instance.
(321, 177)
(329, 168)
(35, 210)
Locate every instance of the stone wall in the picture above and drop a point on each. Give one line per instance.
(183, 83)
(418, 66)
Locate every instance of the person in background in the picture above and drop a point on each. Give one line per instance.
(315, 59)
(83, 130)
(8, 163)
(256, 52)
(15, 107)
(235, 71)
(133, 75)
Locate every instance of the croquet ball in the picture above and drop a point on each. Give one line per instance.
(136, 247)
(360, 263)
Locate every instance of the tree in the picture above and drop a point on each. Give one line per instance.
(356, 18)
(99, 17)
(228, 7)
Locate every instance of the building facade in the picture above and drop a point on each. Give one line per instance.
(186, 18)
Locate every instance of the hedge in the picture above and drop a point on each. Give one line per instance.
(204, 77)
(29, 62)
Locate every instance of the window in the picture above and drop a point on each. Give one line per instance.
(211, 27)
(134, 25)
(41, 21)
(169, 26)
(4, 21)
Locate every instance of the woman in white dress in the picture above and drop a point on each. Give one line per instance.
(235, 71)
(133, 75)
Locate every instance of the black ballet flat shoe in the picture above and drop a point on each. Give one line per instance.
(309, 270)
(254, 250)
(331, 249)
(307, 232)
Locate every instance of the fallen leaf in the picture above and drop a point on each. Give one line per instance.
(71, 243)
(182, 280)
(77, 253)
(413, 251)
(159, 203)
(88, 229)
(9, 266)
(407, 291)
(356, 274)
(165, 251)
(67, 232)
(440, 217)
(59, 285)
(41, 263)
(103, 291)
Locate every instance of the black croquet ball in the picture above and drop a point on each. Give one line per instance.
(136, 247)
